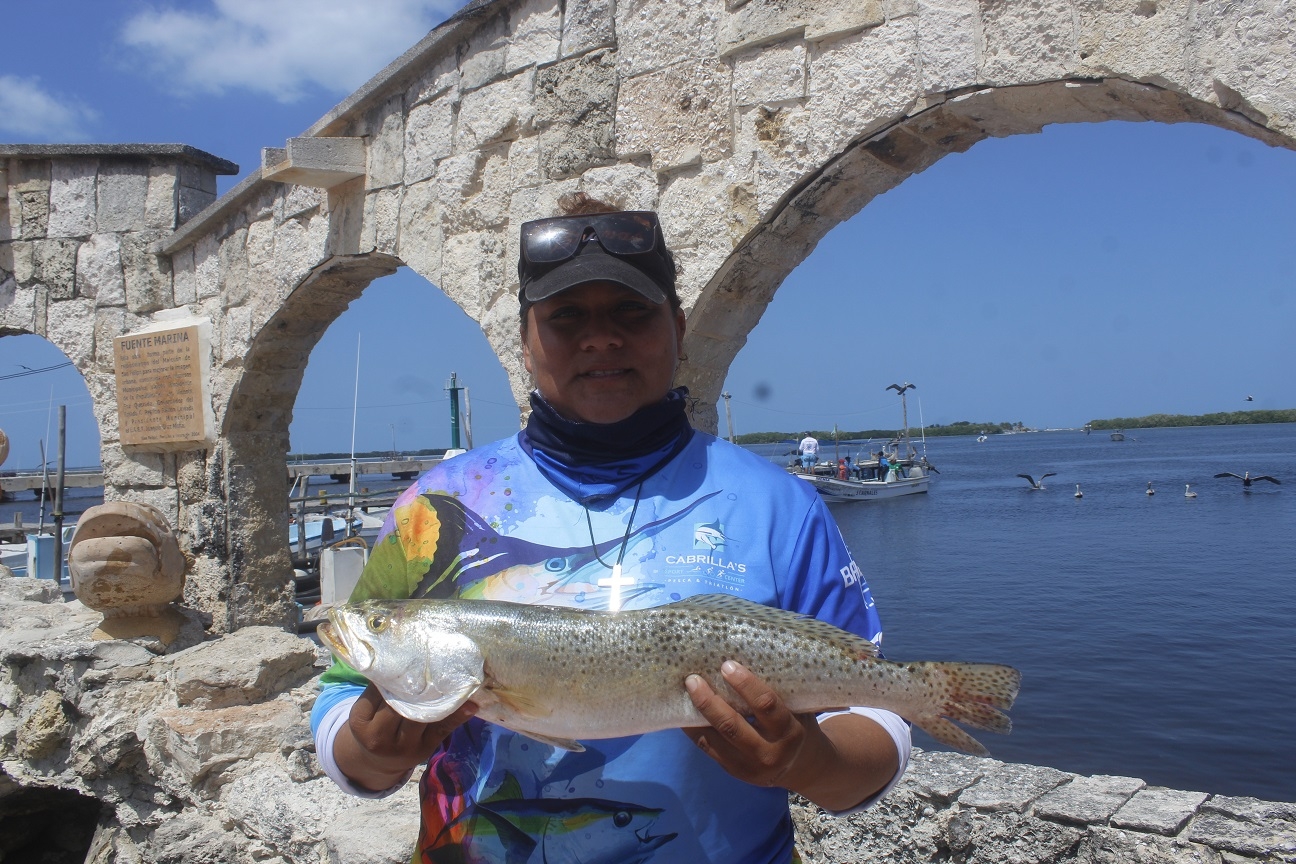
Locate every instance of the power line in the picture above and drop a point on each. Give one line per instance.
(27, 371)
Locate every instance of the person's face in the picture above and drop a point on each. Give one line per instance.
(599, 352)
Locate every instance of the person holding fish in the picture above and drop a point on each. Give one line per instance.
(608, 501)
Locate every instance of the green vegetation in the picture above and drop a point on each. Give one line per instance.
(1223, 418)
(963, 427)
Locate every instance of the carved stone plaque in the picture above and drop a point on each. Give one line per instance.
(161, 388)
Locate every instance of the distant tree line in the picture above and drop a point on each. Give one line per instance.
(962, 427)
(1222, 418)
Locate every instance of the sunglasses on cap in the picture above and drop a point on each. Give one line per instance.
(626, 247)
(553, 240)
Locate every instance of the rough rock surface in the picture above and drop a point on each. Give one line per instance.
(119, 753)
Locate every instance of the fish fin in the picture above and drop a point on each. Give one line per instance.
(979, 694)
(811, 628)
(947, 733)
(518, 845)
(561, 743)
(984, 683)
(979, 717)
(518, 702)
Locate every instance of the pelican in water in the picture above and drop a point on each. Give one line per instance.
(1150, 490)
(1078, 493)
(1247, 479)
(1036, 485)
(1188, 493)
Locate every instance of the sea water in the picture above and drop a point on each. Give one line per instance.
(1154, 632)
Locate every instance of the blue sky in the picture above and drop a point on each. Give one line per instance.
(1093, 270)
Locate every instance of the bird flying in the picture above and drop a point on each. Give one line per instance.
(1034, 484)
(1247, 479)
(1250, 398)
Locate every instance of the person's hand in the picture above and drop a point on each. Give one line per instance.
(378, 747)
(774, 748)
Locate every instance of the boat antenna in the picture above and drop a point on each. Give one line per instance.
(923, 428)
(904, 409)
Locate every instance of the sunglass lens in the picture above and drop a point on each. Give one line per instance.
(625, 233)
(550, 241)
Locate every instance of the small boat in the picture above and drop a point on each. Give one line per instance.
(839, 491)
(1118, 436)
(35, 559)
(320, 531)
(905, 473)
(981, 439)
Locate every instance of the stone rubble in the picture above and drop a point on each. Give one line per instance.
(204, 755)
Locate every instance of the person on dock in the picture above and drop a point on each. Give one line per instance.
(603, 502)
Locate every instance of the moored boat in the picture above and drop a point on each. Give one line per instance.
(888, 474)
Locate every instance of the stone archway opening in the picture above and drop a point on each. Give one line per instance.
(379, 375)
(736, 297)
(251, 534)
(36, 378)
(944, 262)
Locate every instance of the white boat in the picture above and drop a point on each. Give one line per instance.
(906, 473)
(840, 491)
(18, 557)
(320, 531)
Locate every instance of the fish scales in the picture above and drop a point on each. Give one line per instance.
(562, 675)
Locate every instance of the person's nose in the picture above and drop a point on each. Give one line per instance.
(601, 333)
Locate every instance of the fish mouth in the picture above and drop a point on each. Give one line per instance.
(653, 841)
(356, 653)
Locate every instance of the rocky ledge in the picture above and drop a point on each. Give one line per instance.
(113, 751)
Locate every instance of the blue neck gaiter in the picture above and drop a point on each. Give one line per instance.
(594, 461)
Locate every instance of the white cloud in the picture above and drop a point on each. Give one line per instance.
(30, 114)
(283, 48)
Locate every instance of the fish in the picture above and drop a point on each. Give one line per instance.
(562, 675)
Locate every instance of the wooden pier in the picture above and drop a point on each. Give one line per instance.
(399, 469)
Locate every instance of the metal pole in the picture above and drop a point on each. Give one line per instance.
(351, 484)
(58, 496)
(467, 416)
(728, 416)
(453, 387)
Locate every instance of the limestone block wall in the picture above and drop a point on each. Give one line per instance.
(753, 127)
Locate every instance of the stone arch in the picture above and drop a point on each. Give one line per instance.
(753, 126)
(731, 304)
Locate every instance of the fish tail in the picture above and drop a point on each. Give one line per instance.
(976, 695)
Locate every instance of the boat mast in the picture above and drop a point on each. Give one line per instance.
(904, 409)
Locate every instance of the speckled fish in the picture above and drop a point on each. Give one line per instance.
(561, 675)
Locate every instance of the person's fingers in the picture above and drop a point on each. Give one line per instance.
(772, 716)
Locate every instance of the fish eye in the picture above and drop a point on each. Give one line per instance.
(377, 622)
(556, 565)
(621, 819)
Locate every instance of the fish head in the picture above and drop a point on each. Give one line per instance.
(411, 650)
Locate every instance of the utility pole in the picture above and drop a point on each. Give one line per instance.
(453, 388)
(728, 416)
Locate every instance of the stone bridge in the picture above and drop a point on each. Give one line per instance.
(753, 126)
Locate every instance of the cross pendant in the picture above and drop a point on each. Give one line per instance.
(615, 581)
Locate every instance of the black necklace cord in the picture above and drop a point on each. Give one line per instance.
(625, 541)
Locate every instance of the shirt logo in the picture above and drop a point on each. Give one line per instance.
(851, 574)
(709, 536)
